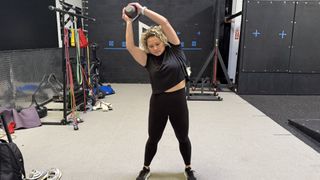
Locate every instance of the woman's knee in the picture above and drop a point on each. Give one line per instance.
(183, 139)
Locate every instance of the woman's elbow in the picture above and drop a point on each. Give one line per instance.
(129, 46)
(165, 22)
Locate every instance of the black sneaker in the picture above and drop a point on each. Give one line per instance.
(143, 174)
(189, 173)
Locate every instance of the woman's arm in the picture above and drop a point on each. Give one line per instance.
(162, 21)
(138, 54)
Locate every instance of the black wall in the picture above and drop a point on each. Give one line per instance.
(279, 51)
(192, 19)
(27, 57)
(27, 25)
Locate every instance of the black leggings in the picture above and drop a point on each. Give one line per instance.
(171, 105)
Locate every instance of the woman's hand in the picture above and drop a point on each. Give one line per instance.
(125, 17)
(137, 5)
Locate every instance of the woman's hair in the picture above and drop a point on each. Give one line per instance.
(151, 32)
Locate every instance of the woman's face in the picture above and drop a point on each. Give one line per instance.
(155, 45)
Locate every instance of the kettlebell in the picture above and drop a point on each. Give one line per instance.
(42, 111)
(131, 11)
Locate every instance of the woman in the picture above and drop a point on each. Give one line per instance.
(161, 50)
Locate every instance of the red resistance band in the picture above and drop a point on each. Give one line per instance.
(83, 39)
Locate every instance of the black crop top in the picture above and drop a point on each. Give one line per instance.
(164, 70)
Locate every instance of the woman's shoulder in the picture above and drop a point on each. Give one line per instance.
(175, 48)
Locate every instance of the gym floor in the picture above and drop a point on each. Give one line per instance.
(231, 139)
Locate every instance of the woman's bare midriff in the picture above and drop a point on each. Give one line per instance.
(177, 87)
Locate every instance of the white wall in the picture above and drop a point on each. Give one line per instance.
(77, 3)
(234, 39)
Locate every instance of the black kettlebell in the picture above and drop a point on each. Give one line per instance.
(42, 111)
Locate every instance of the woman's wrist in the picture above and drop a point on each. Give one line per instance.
(143, 10)
(129, 21)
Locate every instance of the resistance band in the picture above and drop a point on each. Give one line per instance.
(79, 76)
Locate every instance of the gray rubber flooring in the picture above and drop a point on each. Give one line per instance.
(280, 108)
(231, 139)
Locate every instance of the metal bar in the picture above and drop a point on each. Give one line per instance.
(227, 19)
(5, 125)
(224, 69)
(52, 8)
(204, 67)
